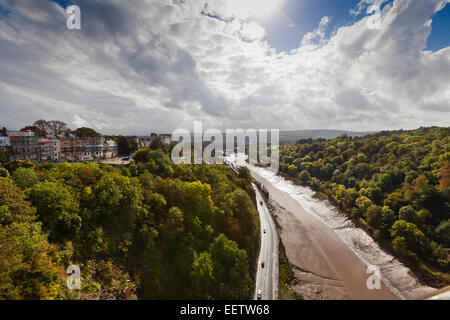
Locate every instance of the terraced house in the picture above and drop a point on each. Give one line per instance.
(26, 145)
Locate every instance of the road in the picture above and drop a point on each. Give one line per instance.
(267, 278)
(114, 161)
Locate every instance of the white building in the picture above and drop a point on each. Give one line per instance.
(56, 147)
(110, 150)
(5, 142)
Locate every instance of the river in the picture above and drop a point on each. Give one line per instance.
(325, 244)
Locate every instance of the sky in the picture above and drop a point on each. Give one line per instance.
(144, 66)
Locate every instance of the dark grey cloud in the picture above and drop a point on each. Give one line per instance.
(155, 65)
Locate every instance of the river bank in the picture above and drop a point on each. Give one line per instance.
(328, 253)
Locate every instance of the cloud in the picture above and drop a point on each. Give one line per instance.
(143, 66)
(364, 4)
(317, 36)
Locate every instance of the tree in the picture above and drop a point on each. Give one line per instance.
(4, 173)
(56, 209)
(5, 155)
(444, 176)
(408, 213)
(245, 213)
(202, 275)
(363, 204)
(232, 280)
(38, 131)
(57, 127)
(373, 216)
(142, 155)
(42, 127)
(153, 222)
(156, 144)
(244, 173)
(174, 223)
(86, 132)
(27, 268)
(25, 178)
(387, 220)
(304, 177)
(15, 201)
(126, 145)
(3, 132)
(443, 232)
(407, 236)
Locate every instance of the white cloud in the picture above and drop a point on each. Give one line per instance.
(156, 65)
(316, 37)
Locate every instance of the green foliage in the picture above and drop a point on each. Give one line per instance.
(134, 230)
(4, 173)
(126, 145)
(86, 132)
(408, 239)
(443, 232)
(156, 162)
(27, 269)
(14, 204)
(383, 181)
(408, 213)
(244, 173)
(56, 209)
(25, 178)
(202, 276)
(232, 280)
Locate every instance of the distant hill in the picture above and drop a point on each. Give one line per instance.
(288, 137)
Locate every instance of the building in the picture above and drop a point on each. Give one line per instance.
(94, 151)
(144, 143)
(4, 142)
(27, 146)
(56, 147)
(45, 151)
(24, 145)
(93, 140)
(110, 150)
(166, 138)
(71, 147)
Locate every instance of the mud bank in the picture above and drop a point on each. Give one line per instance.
(328, 253)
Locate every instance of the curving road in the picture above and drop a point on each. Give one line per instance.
(267, 278)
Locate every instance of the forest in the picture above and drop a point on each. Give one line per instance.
(148, 230)
(395, 185)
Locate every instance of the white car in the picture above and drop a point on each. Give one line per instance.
(259, 295)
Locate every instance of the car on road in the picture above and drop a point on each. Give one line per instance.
(126, 159)
(262, 264)
(259, 295)
(261, 203)
(265, 231)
